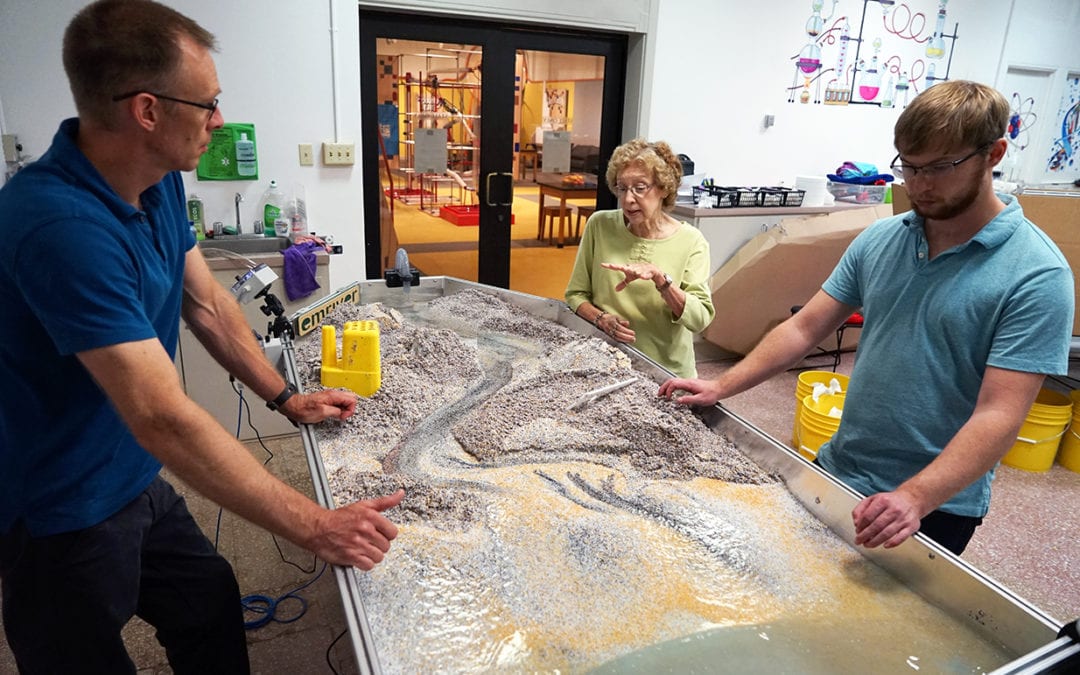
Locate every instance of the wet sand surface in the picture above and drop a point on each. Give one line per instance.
(536, 537)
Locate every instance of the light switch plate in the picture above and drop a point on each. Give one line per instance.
(307, 155)
(11, 151)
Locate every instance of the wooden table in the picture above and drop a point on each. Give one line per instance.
(552, 185)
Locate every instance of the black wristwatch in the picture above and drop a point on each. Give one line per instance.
(285, 395)
(667, 283)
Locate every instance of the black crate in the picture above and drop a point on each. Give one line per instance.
(725, 197)
(728, 197)
(767, 196)
(747, 197)
(780, 196)
(717, 197)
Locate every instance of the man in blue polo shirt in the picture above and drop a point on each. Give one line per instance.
(968, 305)
(97, 264)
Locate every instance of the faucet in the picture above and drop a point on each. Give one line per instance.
(238, 198)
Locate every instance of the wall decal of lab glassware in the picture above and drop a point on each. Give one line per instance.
(916, 56)
(232, 154)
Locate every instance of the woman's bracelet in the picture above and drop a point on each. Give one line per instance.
(596, 321)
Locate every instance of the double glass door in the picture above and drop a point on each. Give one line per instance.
(484, 145)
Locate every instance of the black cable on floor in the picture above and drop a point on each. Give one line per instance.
(258, 603)
(244, 405)
(334, 642)
(269, 456)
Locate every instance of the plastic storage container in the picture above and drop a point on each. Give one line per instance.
(858, 194)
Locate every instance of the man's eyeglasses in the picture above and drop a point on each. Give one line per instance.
(935, 170)
(639, 190)
(211, 106)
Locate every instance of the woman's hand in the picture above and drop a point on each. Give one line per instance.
(635, 271)
(617, 327)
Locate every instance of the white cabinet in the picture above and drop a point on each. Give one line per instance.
(208, 384)
(727, 230)
(727, 235)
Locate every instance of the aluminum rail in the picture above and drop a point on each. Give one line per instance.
(359, 632)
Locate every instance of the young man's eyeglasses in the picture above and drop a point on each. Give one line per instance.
(935, 170)
(639, 190)
(211, 106)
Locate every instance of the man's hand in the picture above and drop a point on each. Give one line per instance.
(887, 518)
(701, 392)
(358, 534)
(320, 405)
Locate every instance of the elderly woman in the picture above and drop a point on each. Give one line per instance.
(640, 275)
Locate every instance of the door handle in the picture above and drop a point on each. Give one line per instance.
(507, 195)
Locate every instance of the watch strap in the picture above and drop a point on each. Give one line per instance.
(285, 395)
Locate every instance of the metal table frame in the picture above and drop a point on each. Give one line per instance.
(934, 573)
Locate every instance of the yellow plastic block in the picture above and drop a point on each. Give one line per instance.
(358, 368)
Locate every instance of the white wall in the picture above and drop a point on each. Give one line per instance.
(720, 67)
(275, 70)
(712, 70)
(1044, 41)
(620, 15)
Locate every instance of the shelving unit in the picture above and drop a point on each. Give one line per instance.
(438, 97)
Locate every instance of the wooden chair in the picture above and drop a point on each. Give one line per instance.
(583, 212)
(551, 214)
(528, 158)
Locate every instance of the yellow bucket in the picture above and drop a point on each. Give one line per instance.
(816, 425)
(1037, 443)
(805, 386)
(1069, 455)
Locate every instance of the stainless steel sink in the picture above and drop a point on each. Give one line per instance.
(245, 243)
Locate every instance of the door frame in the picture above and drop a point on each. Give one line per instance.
(499, 43)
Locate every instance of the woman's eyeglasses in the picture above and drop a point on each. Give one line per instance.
(639, 190)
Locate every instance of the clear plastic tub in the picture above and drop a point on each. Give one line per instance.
(858, 194)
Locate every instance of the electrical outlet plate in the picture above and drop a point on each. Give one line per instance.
(307, 155)
(338, 154)
(11, 150)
